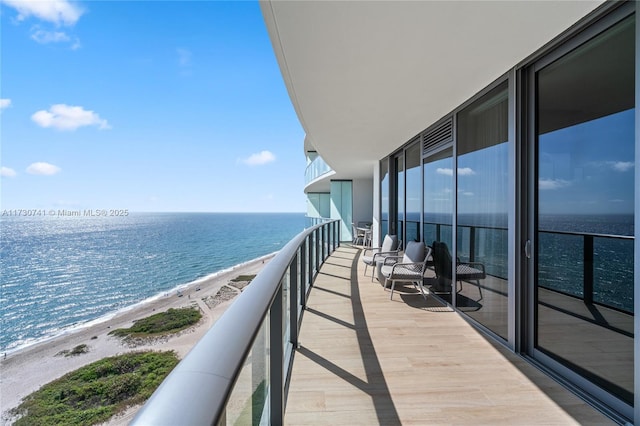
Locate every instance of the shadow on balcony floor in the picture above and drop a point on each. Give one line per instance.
(365, 359)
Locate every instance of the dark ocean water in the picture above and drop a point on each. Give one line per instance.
(59, 273)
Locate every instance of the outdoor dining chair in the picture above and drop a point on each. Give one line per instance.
(465, 271)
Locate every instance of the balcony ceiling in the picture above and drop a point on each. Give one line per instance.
(366, 76)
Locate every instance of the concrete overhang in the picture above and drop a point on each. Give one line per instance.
(366, 76)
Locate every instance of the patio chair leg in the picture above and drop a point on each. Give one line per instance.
(393, 284)
(420, 288)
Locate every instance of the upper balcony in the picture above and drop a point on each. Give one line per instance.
(316, 171)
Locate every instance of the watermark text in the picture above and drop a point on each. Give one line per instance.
(65, 212)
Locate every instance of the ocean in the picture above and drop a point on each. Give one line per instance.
(60, 273)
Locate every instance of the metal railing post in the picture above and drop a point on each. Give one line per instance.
(587, 290)
(303, 275)
(325, 238)
(312, 256)
(472, 244)
(294, 287)
(316, 239)
(276, 360)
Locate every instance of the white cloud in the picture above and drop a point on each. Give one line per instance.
(462, 171)
(621, 166)
(5, 103)
(7, 172)
(68, 117)
(59, 12)
(551, 184)
(260, 158)
(45, 37)
(42, 168)
(465, 171)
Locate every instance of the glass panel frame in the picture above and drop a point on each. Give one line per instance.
(556, 165)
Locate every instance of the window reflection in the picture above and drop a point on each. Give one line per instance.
(400, 197)
(384, 197)
(413, 193)
(482, 193)
(438, 204)
(585, 209)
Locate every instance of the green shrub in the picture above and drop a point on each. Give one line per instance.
(94, 393)
(243, 278)
(80, 349)
(169, 321)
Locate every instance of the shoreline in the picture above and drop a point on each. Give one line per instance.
(74, 328)
(26, 369)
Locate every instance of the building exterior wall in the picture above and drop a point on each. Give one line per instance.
(342, 206)
(363, 200)
(319, 204)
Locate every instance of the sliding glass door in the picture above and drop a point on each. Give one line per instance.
(583, 217)
(482, 207)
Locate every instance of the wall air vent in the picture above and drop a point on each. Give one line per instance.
(439, 134)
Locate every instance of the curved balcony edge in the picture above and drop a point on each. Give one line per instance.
(198, 390)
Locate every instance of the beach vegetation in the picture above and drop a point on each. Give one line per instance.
(94, 393)
(78, 350)
(240, 278)
(170, 321)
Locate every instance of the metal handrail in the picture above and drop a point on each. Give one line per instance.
(197, 390)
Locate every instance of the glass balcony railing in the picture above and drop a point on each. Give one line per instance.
(238, 372)
(312, 221)
(315, 169)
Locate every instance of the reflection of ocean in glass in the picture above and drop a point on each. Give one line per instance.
(560, 256)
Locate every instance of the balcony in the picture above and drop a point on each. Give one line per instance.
(315, 170)
(314, 341)
(365, 359)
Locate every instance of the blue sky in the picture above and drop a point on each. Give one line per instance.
(146, 106)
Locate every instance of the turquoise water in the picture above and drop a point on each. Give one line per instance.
(61, 272)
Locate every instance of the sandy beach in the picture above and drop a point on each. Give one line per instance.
(24, 371)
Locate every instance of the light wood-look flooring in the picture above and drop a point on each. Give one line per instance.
(364, 360)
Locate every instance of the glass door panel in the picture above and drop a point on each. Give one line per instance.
(384, 198)
(413, 193)
(399, 181)
(437, 219)
(482, 244)
(584, 211)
